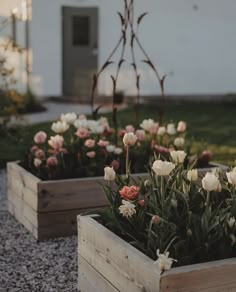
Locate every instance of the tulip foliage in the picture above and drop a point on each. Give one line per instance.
(173, 211)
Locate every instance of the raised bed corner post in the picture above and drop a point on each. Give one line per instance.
(127, 24)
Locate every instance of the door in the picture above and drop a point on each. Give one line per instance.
(80, 40)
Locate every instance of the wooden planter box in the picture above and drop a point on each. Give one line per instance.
(49, 208)
(109, 264)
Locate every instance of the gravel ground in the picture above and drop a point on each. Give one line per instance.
(29, 266)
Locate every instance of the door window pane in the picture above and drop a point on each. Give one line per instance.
(80, 30)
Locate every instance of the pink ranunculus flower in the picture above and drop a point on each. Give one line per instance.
(40, 154)
(52, 161)
(140, 134)
(90, 143)
(103, 143)
(115, 164)
(40, 137)
(82, 133)
(181, 126)
(141, 202)
(129, 129)
(129, 193)
(56, 142)
(91, 154)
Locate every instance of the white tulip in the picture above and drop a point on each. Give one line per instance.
(69, 118)
(161, 131)
(162, 168)
(109, 173)
(179, 142)
(192, 175)
(171, 129)
(164, 262)
(118, 151)
(181, 126)
(147, 124)
(37, 162)
(231, 176)
(60, 127)
(110, 148)
(127, 209)
(178, 156)
(129, 139)
(211, 182)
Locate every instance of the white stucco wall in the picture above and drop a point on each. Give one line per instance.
(193, 41)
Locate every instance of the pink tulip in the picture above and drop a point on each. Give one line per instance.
(52, 161)
(103, 143)
(181, 127)
(129, 129)
(40, 137)
(91, 154)
(89, 143)
(140, 134)
(82, 133)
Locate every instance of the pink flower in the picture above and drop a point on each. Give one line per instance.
(52, 161)
(89, 143)
(56, 142)
(161, 149)
(91, 154)
(156, 219)
(40, 137)
(34, 148)
(121, 133)
(39, 154)
(82, 133)
(140, 134)
(129, 193)
(141, 202)
(115, 164)
(129, 129)
(181, 126)
(103, 143)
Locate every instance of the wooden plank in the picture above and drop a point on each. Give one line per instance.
(217, 276)
(121, 264)
(30, 198)
(91, 281)
(15, 184)
(27, 178)
(70, 194)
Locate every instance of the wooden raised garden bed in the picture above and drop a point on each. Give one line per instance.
(49, 208)
(109, 264)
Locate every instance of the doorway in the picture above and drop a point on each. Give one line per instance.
(80, 50)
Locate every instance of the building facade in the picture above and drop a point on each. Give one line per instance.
(192, 41)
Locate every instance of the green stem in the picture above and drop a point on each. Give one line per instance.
(127, 162)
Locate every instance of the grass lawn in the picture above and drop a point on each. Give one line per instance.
(210, 126)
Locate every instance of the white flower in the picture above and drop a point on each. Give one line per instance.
(231, 222)
(118, 151)
(171, 129)
(127, 209)
(192, 175)
(69, 118)
(163, 262)
(81, 123)
(129, 139)
(179, 142)
(178, 156)
(161, 131)
(149, 125)
(211, 182)
(109, 173)
(103, 121)
(60, 127)
(231, 176)
(181, 127)
(37, 162)
(162, 167)
(110, 148)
